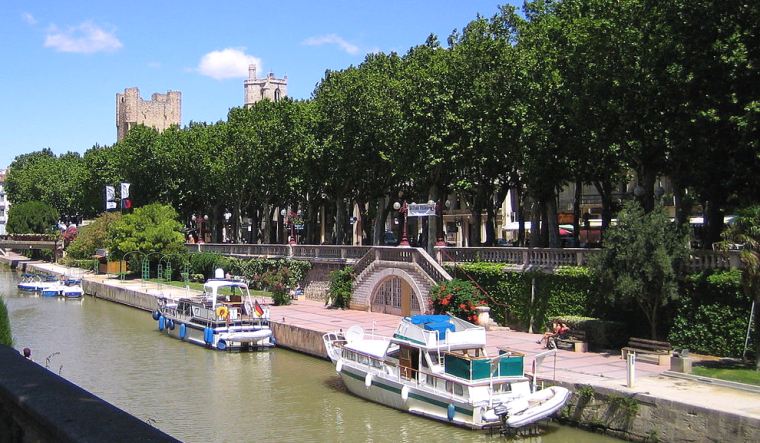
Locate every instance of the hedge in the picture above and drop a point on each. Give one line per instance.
(569, 291)
(712, 315)
(6, 338)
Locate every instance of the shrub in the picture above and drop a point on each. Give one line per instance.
(207, 262)
(340, 287)
(458, 298)
(32, 217)
(712, 314)
(88, 264)
(92, 237)
(276, 281)
(6, 338)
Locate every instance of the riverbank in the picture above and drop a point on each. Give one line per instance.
(656, 408)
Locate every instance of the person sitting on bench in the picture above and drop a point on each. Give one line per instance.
(556, 327)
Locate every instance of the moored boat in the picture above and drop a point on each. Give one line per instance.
(437, 366)
(72, 291)
(225, 317)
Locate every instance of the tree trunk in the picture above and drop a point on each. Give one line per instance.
(433, 221)
(535, 225)
(713, 223)
(551, 222)
(647, 179)
(476, 212)
(578, 195)
(340, 220)
(520, 217)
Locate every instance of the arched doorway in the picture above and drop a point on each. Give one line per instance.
(395, 296)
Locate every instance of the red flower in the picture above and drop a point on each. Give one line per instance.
(462, 306)
(445, 301)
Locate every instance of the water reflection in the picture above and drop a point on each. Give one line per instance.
(198, 395)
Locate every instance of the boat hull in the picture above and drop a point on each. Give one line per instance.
(420, 402)
(223, 338)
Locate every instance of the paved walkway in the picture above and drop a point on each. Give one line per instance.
(594, 368)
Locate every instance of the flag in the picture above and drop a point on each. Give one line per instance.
(110, 194)
(257, 308)
(124, 190)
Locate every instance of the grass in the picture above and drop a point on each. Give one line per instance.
(730, 371)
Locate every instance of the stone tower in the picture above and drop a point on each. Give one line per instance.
(162, 111)
(257, 89)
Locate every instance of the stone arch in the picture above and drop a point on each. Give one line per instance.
(375, 283)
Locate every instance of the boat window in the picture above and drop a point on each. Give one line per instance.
(430, 380)
(502, 387)
(376, 363)
(363, 359)
(458, 389)
(393, 350)
(449, 386)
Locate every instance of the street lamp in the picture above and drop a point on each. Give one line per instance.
(403, 210)
(197, 225)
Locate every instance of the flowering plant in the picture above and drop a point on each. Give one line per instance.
(458, 298)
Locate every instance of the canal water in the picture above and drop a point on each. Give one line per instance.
(198, 395)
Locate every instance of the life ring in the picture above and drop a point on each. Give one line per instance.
(222, 311)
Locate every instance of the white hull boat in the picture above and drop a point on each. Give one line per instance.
(437, 366)
(225, 317)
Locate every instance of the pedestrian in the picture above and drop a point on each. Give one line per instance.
(27, 353)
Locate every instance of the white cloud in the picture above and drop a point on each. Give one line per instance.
(86, 38)
(332, 39)
(29, 18)
(227, 63)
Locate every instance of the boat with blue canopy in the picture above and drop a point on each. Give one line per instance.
(437, 366)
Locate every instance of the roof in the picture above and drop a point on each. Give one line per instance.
(214, 284)
(374, 348)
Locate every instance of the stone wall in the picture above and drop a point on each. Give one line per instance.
(643, 417)
(269, 87)
(318, 280)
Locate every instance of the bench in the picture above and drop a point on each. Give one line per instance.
(575, 340)
(657, 352)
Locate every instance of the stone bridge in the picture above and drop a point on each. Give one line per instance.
(397, 280)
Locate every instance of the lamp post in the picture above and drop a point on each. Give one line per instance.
(403, 210)
(198, 222)
(439, 241)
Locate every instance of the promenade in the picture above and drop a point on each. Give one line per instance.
(605, 370)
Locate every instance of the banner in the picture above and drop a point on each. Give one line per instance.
(110, 205)
(421, 209)
(124, 191)
(110, 194)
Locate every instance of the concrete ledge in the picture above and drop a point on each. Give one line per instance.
(299, 339)
(714, 381)
(38, 405)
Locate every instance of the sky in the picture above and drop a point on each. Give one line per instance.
(63, 62)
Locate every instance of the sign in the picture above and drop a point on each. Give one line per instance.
(421, 209)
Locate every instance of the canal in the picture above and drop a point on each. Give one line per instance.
(198, 395)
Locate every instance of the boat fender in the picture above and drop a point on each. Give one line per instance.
(339, 366)
(208, 335)
(450, 411)
(405, 393)
(161, 323)
(182, 331)
(156, 314)
(170, 324)
(368, 380)
(221, 344)
(272, 340)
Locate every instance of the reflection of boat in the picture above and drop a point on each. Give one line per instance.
(437, 366)
(225, 317)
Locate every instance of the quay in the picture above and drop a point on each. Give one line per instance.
(658, 407)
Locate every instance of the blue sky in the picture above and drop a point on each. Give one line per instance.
(64, 61)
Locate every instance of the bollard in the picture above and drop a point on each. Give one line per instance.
(631, 369)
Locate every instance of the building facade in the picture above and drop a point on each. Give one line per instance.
(4, 203)
(160, 112)
(269, 87)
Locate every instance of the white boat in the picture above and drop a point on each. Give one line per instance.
(52, 290)
(436, 366)
(72, 291)
(225, 317)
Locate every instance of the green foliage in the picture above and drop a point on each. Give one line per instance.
(276, 281)
(32, 217)
(88, 264)
(712, 315)
(6, 338)
(150, 229)
(568, 291)
(639, 260)
(458, 298)
(205, 263)
(340, 287)
(92, 237)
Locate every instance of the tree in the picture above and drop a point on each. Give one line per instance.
(150, 229)
(92, 237)
(640, 260)
(745, 230)
(6, 338)
(32, 217)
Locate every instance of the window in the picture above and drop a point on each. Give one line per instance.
(458, 389)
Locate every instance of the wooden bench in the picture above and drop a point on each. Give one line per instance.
(575, 340)
(657, 352)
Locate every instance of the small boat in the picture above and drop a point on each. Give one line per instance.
(72, 291)
(52, 290)
(225, 317)
(35, 283)
(436, 366)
